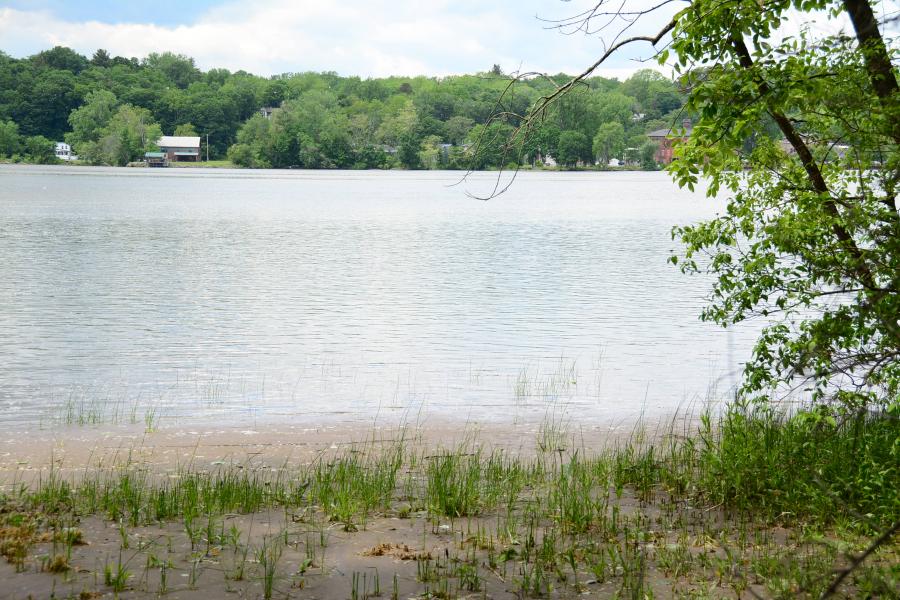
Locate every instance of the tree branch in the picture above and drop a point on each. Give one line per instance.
(858, 560)
(812, 169)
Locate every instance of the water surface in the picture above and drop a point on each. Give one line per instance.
(308, 296)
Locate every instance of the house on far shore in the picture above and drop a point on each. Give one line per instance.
(665, 137)
(266, 112)
(64, 152)
(546, 160)
(180, 148)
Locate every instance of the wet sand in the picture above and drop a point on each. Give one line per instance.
(317, 558)
(31, 453)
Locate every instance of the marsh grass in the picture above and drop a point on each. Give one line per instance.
(351, 486)
(116, 575)
(545, 383)
(81, 408)
(150, 405)
(752, 502)
(268, 555)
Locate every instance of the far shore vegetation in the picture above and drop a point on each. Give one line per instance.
(111, 110)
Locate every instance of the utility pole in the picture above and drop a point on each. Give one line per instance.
(207, 147)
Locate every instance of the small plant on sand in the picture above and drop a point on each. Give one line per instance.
(268, 555)
(115, 575)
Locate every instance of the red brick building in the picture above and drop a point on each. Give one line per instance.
(665, 137)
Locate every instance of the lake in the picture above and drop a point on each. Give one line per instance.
(222, 295)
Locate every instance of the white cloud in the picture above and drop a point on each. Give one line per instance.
(367, 38)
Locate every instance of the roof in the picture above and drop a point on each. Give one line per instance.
(660, 133)
(672, 131)
(177, 141)
(154, 154)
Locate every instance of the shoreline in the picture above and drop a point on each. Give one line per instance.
(446, 512)
(220, 165)
(68, 450)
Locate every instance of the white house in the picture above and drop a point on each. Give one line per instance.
(180, 148)
(64, 152)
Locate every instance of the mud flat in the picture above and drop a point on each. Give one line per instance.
(71, 451)
(440, 511)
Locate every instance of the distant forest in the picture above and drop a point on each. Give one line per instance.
(112, 109)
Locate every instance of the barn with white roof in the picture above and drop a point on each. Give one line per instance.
(180, 148)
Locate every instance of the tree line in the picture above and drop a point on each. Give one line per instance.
(112, 109)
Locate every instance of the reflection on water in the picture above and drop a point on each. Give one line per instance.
(348, 295)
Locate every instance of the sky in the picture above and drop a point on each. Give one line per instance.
(368, 38)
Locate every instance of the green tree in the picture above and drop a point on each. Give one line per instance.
(242, 155)
(50, 99)
(186, 130)
(810, 238)
(408, 152)
(581, 110)
(88, 120)
(648, 156)
(371, 157)
(253, 147)
(61, 58)
(489, 146)
(398, 123)
(9, 138)
(130, 133)
(822, 249)
(40, 150)
(457, 128)
(609, 141)
(633, 155)
(177, 68)
(573, 147)
(614, 107)
(101, 58)
(430, 156)
(654, 94)
(206, 108)
(540, 144)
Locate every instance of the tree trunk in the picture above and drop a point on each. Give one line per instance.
(880, 70)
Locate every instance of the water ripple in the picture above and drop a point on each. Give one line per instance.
(236, 293)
